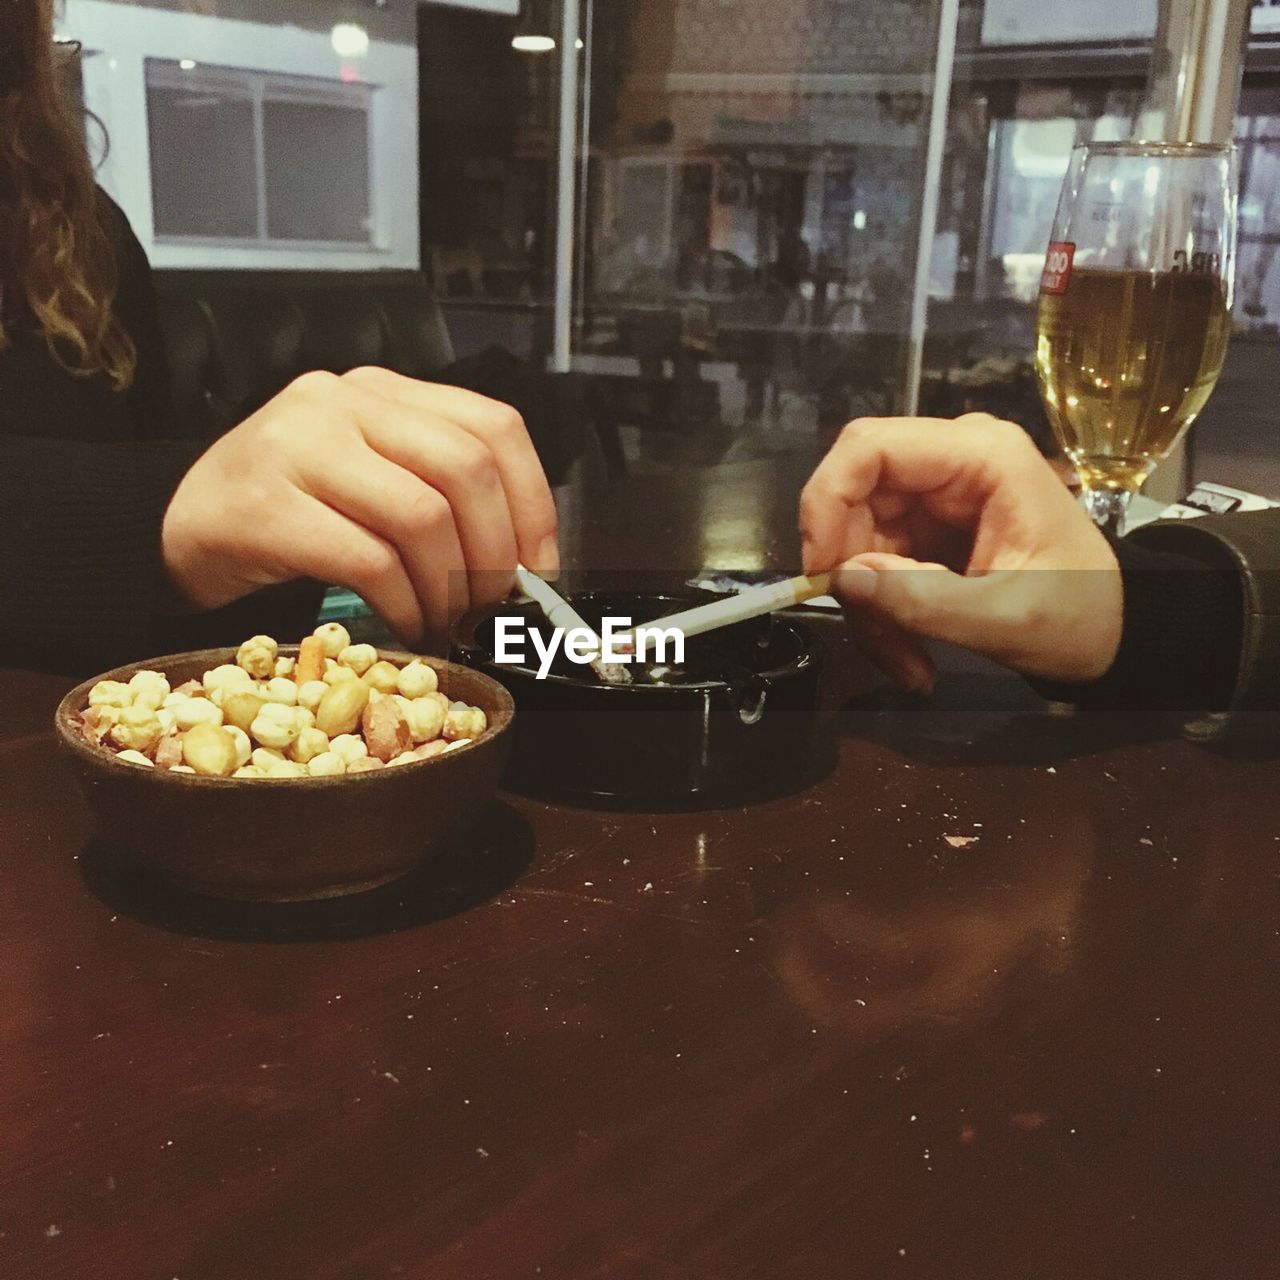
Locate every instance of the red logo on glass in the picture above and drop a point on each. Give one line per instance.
(1057, 267)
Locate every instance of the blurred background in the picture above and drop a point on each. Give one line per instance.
(735, 223)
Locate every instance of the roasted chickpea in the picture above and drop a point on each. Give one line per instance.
(358, 658)
(417, 679)
(137, 729)
(328, 764)
(257, 656)
(383, 676)
(463, 721)
(309, 744)
(334, 637)
(111, 693)
(275, 726)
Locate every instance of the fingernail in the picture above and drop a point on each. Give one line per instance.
(549, 556)
(856, 582)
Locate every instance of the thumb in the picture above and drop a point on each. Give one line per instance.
(925, 599)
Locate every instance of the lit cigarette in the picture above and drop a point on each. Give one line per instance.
(560, 613)
(745, 605)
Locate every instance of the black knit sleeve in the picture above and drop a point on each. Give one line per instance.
(83, 586)
(82, 579)
(287, 611)
(80, 562)
(1181, 642)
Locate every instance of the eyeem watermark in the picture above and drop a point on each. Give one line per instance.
(616, 643)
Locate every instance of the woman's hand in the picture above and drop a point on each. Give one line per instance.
(420, 498)
(960, 531)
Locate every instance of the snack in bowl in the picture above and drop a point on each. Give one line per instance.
(290, 821)
(215, 724)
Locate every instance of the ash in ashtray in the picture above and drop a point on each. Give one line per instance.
(709, 659)
(732, 655)
(720, 658)
(699, 668)
(665, 674)
(729, 584)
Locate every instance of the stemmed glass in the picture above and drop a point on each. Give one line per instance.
(1134, 311)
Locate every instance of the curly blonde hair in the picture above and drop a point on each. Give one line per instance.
(57, 266)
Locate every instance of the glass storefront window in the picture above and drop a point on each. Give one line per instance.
(749, 198)
(751, 180)
(1234, 441)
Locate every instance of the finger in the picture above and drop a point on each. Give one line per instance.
(409, 515)
(319, 542)
(952, 468)
(464, 469)
(930, 600)
(459, 467)
(895, 652)
(501, 429)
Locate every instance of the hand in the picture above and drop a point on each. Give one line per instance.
(418, 497)
(1005, 562)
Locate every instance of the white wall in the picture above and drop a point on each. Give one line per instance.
(118, 38)
(1266, 17)
(1040, 22)
(509, 7)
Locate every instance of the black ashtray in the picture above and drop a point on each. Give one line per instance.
(737, 721)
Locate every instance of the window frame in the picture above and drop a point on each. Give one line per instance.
(257, 88)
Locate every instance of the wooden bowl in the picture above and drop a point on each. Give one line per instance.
(285, 839)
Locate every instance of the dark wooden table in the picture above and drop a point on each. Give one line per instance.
(809, 1038)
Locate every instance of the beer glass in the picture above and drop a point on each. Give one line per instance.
(1134, 309)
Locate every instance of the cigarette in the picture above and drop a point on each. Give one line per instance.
(753, 603)
(560, 613)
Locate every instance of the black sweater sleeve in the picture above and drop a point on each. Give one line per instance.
(86, 476)
(80, 563)
(82, 577)
(1181, 640)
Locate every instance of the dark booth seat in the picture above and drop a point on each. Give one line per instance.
(236, 338)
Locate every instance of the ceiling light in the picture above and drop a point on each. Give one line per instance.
(349, 40)
(187, 65)
(533, 44)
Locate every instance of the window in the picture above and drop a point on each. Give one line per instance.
(750, 198)
(753, 262)
(1258, 134)
(247, 157)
